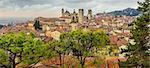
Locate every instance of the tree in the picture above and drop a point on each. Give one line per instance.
(137, 53)
(84, 43)
(1, 26)
(37, 25)
(20, 48)
(59, 48)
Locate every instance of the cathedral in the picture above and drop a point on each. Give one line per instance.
(77, 17)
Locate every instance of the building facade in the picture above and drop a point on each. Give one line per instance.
(76, 17)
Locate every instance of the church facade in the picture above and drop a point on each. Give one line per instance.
(76, 17)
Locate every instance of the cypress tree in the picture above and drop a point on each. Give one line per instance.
(37, 25)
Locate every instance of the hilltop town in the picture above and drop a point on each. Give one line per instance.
(117, 27)
(82, 38)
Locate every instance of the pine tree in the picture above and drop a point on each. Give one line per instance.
(139, 52)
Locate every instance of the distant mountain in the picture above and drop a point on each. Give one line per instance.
(126, 12)
(14, 20)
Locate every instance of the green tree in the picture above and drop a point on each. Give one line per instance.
(59, 48)
(37, 25)
(84, 43)
(20, 48)
(1, 26)
(137, 53)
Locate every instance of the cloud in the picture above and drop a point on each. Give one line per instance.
(77, 1)
(51, 8)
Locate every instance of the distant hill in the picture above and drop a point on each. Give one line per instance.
(126, 12)
(14, 20)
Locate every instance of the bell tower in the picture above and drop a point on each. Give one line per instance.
(89, 14)
(62, 12)
(81, 15)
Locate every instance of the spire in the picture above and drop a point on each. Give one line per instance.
(74, 11)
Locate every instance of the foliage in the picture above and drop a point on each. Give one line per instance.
(141, 33)
(84, 43)
(3, 57)
(1, 26)
(107, 51)
(58, 48)
(20, 48)
(37, 25)
(144, 6)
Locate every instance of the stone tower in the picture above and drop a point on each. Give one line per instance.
(62, 12)
(74, 17)
(89, 14)
(81, 15)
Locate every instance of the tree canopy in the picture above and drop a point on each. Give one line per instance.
(20, 48)
(37, 25)
(84, 43)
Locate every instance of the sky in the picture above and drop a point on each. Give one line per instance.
(52, 8)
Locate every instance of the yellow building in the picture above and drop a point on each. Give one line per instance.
(30, 26)
(55, 35)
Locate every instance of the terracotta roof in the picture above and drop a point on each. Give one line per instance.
(65, 17)
(47, 19)
(115, 40)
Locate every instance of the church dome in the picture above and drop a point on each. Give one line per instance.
(67, 12)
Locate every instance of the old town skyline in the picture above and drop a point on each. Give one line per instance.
(51, 8)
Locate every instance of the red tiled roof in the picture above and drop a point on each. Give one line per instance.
(65, 17)
(117, 40)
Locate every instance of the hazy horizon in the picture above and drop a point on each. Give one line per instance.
(52, 8)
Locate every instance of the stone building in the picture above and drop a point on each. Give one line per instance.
(89, 15)
(76, 17)
(81, 15)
